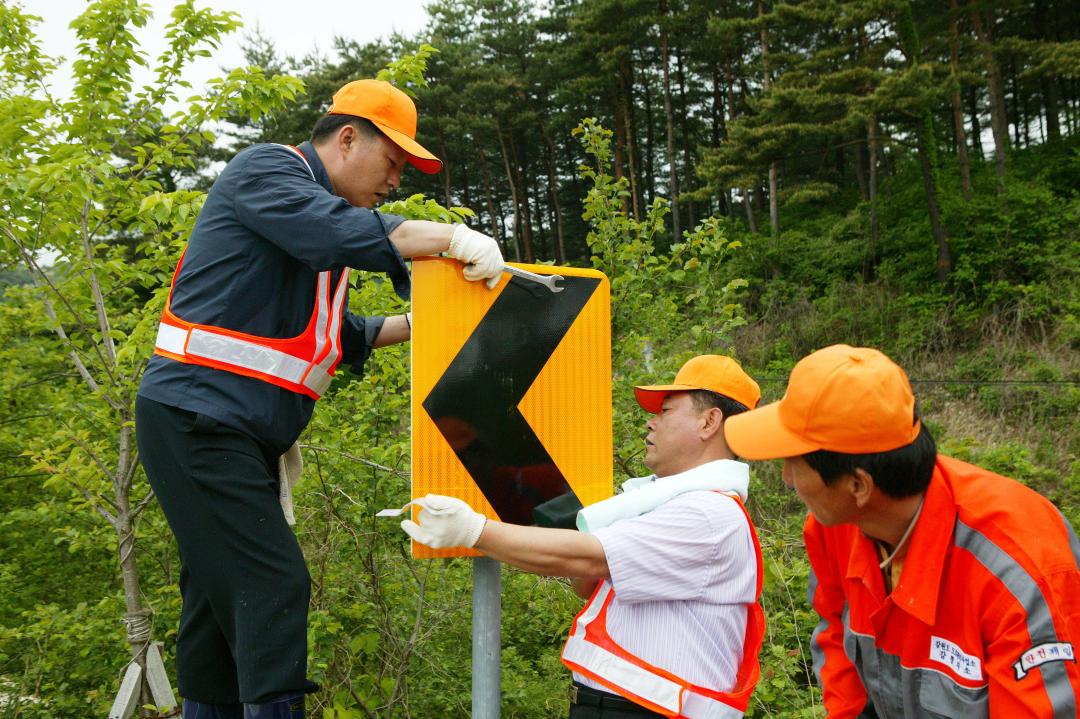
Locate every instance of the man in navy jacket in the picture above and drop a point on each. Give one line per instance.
(256, 324)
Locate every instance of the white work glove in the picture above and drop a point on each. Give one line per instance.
(445, 522)
(481, 255)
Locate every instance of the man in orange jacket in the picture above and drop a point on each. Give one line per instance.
(943, 589)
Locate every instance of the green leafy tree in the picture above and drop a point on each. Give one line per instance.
(89, 212)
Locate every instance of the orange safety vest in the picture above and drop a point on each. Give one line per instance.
(591, 652)
(303, 364)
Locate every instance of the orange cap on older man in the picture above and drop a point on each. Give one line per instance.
(853, 400)
(714, 373)
(390, 110)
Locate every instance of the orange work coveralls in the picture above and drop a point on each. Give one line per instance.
(983, 620)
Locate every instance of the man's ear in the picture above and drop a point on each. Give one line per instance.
(346, 136)
(712, 422)
(862, 486)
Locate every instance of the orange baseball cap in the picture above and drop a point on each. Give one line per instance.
(390, 110)
(715, 373)
(846, 399)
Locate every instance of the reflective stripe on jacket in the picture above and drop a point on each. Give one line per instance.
(303, 364)
(981, 623)
(592, 652)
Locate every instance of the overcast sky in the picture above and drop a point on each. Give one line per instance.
(296, 28)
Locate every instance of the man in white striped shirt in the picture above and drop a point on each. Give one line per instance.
(674, 625)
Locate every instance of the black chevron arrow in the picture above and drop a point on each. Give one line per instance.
(474, 403)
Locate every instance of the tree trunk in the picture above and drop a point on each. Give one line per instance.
(553, 189)
(719, 130)
(729, 88)
(1048, 96)
(1071, 116)
(748, 204)
(994, 86)
(466, 197)
(673, 183)
(541, 232)
(445, 172)
(650, 146)
(513, 194)
(859, 165)
(958, 112)
(872, 145)
(729, 95)
(1074, 106)
(526, 215)
(976, 126)
(719, 126)
(1050, 102)
(624, 96)
(137, 617)
(774, 204)
(688, 158)
(747, 200)
(926, 142)
(633, 134)
(620, 139)
(486, 176)
(1023, 139)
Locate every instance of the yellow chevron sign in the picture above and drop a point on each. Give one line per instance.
(511, 390)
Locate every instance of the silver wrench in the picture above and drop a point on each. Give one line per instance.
(548, 281)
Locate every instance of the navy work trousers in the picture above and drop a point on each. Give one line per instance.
(244, 584)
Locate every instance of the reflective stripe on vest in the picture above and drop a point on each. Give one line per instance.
(303, 364)
(592, 652)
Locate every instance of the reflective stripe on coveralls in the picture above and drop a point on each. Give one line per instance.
(303, 364)
(592, 652)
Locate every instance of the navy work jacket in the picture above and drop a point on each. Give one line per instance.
(266, 231)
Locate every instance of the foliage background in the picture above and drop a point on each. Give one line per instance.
(99, 190)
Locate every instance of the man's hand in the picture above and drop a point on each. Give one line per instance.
(481, 255)
(445, 522)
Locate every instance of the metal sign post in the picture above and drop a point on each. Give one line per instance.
(486, 638)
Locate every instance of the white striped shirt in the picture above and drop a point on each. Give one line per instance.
(683, 575)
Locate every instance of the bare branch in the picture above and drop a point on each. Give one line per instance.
(362, 704)
(132, 467)
(31, 263)
(100, 465)
(43, 380)
(342, 492)
(95, 288)
(354, 458)
(123, 461)
(414, 637)
(96, 503)
(143, 504)
(409, 564)
(24, 417)
(73, 353)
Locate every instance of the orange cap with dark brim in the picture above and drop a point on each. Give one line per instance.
(715, 373)
(853, 400)
(390, 110)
